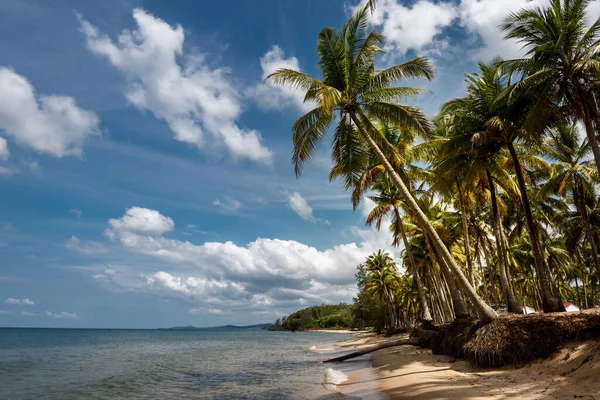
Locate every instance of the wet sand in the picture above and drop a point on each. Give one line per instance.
(409, 372)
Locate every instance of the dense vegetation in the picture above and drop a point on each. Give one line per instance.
(495, 199)
(336, 316)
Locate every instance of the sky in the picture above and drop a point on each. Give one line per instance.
(145, 170)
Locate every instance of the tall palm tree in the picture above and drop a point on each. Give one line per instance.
(562, 64)
(356, 93)
(383, 281)
(504, 124)
(387, 203)
(571, 173)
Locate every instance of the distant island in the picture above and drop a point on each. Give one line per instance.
(256, 327)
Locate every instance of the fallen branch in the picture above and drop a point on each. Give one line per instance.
(402, 342)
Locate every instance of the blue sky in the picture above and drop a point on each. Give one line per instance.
(144, 166)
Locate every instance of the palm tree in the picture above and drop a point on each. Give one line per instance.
(352, 90)
(571, 172)
(504, 124)
(383, 281)
(562, 65)
(388, 201)
(458, 159)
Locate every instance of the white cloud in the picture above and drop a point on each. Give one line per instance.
(264, 275)
(300, 206)
(46, 123)
(76, 212)
(8, 171)
(27, 314)
(270, 96)
(61, 315)
(87, 248)
(192, 98)
(5, 312)
(4, 153)
(415, 27)
(482, 18)
(228, 204)
(139, 221)
(19, 302)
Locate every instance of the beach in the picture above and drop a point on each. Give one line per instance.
(410, 372)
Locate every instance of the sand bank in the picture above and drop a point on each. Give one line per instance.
(409, 372)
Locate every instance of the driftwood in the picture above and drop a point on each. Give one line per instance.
(402, 342)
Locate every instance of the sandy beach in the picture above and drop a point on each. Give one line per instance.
(409, 372)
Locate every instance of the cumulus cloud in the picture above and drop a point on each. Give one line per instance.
(300, 206)
(4, 153)
(139, 221)
(192, 97)
(269, 96)
(19, 302)
(47, 123)
(5, 312)
(416, 27)
(87, 247)
(421, 26)
(228, 204)
(262, 276)
(482, 18)
(61, 315)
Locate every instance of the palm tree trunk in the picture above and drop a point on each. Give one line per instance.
(589, 129)
(467, 240)
(582, 270)
(511, 301)
(484, 311)
(581, 208)
(458, 303)
(426, 314)
(550, 295)
(484, 286)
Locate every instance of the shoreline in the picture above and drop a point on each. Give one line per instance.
(412, 372)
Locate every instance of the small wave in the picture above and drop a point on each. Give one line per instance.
(317, 348)
(335, 377)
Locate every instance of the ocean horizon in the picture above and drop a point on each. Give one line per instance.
(65, 363)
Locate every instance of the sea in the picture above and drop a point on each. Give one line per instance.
(162, 364)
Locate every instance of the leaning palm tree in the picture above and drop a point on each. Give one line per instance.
(562, 65)
(352, 91)
(387, 203)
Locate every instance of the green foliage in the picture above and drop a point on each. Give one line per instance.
(336, 316)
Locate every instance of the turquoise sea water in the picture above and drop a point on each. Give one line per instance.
(152, 364)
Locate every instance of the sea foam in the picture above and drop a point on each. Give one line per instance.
(335, 377)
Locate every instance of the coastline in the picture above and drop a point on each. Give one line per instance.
(412, 372)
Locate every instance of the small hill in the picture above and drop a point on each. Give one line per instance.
(325, 316)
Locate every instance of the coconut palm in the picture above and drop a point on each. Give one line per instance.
(562, 64)
(571, 172)
(387, 203)
(383, 281)
(505, 123)
(354, 93)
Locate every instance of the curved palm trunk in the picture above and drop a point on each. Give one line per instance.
(511, 301)
(466, 236)
(458, 303)
(484, 311)
(580, 204)
(424, 306)
(549, 292)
